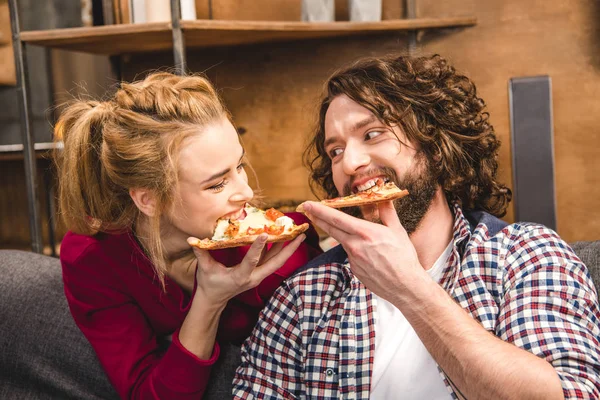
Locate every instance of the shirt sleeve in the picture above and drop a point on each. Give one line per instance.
(125, 343)
(271, 356)
(550, 308)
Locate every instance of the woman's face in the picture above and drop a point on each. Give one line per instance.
(213, 182)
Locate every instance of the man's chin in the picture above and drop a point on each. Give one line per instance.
(370, 213)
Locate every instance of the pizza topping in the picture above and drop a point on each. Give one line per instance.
(254, 222)
(255, 231)
(222, 227)
(274, 229)
(232, 230)
(273, 214)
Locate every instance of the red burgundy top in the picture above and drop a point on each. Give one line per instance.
(119, 305)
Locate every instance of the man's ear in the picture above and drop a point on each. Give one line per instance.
(145, 200)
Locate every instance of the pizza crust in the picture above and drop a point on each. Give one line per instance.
(386, 193)
(209, 244)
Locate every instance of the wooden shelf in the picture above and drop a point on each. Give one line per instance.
(134, 38)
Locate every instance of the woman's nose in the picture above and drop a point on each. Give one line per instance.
(243, 192)
(354, 158)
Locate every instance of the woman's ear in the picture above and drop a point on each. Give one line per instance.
(145, 200)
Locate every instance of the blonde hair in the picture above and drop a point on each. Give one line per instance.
(130, 141)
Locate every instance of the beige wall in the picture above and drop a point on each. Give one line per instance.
(271, 89)
(558, 38)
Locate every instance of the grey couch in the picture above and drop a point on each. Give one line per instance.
(43, 355)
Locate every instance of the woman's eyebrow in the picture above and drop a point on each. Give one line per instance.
(222, 173)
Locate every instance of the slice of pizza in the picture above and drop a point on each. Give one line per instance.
(380, 191)
(244, 231)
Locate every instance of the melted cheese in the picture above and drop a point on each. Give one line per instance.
(255, 218)
(286, 222)
(219, 234)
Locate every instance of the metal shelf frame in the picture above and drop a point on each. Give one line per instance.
(23, 93)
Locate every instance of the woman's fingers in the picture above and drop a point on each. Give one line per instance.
(275, 248)
(276, 260)
(254, 254)
(203, 256)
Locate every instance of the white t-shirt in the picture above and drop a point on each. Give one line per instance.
(403, 368)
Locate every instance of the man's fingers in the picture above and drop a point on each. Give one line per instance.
(388, 215)
(336, 218)
(332, 230)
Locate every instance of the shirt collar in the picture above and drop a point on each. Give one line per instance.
(460, 236)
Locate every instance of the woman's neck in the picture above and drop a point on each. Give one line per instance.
(181, 262)
(174, 246)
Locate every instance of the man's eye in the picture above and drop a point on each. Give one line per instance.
(372, 135)
(335, 152)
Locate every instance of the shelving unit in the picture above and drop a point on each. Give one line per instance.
(179, 35)
(134, 38)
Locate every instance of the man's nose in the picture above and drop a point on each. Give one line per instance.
(354, 158)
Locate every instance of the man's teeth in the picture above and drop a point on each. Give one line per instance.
(369, 184)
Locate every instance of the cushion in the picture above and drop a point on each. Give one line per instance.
(43, 354)
(589, 252)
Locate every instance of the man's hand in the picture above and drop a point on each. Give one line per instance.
(381, 256)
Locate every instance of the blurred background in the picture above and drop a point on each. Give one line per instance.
(269, 59)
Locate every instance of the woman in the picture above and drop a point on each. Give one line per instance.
(138, 175)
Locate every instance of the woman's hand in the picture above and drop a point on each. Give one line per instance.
(217, 283)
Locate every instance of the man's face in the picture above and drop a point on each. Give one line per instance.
(362, 149)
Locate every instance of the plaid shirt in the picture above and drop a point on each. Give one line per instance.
(316, 338)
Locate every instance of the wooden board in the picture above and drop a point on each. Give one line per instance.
(134, 38)
(7, 59)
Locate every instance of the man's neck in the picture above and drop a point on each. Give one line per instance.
(434, 232)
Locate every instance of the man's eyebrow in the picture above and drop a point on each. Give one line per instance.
(363, 123)
(359, 125)
(224, 172)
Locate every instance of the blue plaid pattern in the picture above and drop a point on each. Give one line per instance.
(316, 338)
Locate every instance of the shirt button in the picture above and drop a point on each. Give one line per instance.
(329, 372)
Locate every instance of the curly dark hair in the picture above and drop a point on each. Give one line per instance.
(435, 107)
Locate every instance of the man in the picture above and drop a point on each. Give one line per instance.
(432, 297)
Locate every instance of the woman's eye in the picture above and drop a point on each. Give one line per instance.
(241, 166)
(335, 152)
(218, 187)
(372, 135)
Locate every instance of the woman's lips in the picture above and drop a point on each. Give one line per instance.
(237, 216)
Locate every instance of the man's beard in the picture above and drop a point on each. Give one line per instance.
(412, 208)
